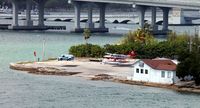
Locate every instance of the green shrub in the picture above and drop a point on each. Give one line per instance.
(189, 65)
(142, 36)
(87, 50)
(119, 49)
(97, 51)
(78, 51)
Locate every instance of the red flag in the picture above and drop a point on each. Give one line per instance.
(35, 53)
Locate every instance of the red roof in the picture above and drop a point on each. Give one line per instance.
(160, 64)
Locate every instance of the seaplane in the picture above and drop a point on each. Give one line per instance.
(117, 59)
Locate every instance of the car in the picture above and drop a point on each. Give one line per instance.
(66, 57)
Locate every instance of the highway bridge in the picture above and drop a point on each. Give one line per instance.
(140, 5)
(186, 4)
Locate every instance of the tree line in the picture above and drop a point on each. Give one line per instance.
(183, 47)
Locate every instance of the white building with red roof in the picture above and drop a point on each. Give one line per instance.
(162, 71)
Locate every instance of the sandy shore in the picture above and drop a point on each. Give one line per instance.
(94, 71)
(80, 68)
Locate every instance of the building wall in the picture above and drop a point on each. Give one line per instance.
(153, 75)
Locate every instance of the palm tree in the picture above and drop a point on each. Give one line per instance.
(86, 34)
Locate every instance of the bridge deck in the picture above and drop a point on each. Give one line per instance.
(187, 4)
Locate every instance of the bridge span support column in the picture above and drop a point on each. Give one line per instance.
(90, 23)
(41, 4)
(77, 8)
(102, 7)
(28, 22)
(15, 9)
(141, 14)
(153, 19)
(165, 18)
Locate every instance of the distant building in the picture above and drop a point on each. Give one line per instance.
(161, 71)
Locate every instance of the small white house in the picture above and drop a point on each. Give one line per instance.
(155, 71)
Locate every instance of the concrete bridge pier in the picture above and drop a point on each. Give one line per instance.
(41, 4)
(28, 22)
(15, 9)
(77, 17)
(102, 15)
(90, 23)
(153, 19)
(165, 18)
(141, 14)
(102, 7)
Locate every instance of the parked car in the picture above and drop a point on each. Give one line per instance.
(66, 57)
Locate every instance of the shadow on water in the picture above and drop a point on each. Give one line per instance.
(187, 93)
(66, 33)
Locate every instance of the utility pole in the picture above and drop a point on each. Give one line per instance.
(191, 38)
(43, 50)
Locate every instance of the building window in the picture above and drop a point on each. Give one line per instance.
(146, 71)
(141, 71)
(168, 74)
(163, 74)
(141, 64)
(137, 70)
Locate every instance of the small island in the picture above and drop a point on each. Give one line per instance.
(82, 67)
(147, 49)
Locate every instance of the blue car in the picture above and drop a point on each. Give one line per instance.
(66, 57)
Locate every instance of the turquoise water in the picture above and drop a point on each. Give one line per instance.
(21, 90)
